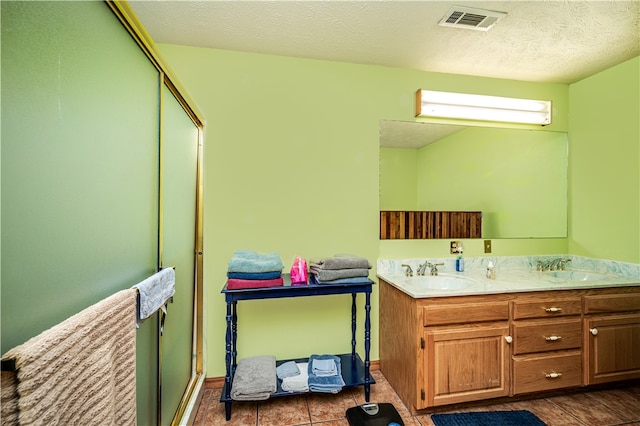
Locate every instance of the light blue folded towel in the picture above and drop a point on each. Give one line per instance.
(287, 369)
(324, 367)
(250, 261)
(329, 384)
(154, 292)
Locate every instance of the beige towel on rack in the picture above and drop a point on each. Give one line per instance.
(81, 371)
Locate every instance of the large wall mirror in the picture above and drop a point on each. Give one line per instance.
(516, 177)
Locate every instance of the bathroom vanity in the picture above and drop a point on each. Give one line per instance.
(459, 337)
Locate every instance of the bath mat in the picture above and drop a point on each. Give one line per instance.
(488, 418)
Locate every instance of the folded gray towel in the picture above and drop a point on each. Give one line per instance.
(335, 274)
(344, 262)
(254, 379)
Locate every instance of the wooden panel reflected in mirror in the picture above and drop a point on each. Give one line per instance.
(413, 225)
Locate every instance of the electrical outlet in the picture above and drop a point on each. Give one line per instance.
(487, 246)
(455, 246)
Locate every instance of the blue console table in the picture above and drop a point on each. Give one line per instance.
(355, 372)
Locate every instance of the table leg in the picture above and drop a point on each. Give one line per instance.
(353, 326)
(228, 348)
(234, 333)
(367, 346)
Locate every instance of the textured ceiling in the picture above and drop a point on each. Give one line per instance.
(543, 41)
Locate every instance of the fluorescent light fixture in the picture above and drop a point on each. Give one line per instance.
(480, 107)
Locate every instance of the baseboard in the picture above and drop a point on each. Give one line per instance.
(218, 382)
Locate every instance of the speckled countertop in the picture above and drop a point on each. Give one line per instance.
(512, 274)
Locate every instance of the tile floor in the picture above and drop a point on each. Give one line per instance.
(597, 408)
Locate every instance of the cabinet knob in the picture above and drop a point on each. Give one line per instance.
(552, 375)
(508, 339)
(552, 310)
(594, 331)
(552, 338)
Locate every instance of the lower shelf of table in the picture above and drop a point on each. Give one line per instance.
(353, 374)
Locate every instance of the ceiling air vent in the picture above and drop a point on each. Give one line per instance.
(470, 18)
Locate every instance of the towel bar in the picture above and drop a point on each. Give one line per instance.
(8, 365)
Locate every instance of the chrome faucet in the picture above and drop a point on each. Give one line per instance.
(422, 268)
(408, 271)
(434, 268)
(556, 264)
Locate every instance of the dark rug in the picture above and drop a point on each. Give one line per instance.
(488, 418)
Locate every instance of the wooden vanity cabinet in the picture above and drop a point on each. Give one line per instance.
(611, 337)
(446, 350)
(547, 342)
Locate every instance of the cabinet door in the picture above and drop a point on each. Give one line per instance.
(612, 346)
(465, 364)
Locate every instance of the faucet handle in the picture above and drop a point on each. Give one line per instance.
(408, 271)
(562, 263)
(434, 267)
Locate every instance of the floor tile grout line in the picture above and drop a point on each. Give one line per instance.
(566, 412)
(423, 420)
(626, 392)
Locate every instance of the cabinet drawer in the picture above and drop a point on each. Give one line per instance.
(533, 373)
(612, 303)
(465, 313)
(552, 307)
(546, 335)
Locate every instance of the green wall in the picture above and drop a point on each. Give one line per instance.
(291, 166)
(604, 164)
(399, 188)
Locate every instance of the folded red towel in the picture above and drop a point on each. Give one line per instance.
(236, 284)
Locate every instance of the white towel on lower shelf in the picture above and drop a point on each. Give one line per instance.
(299, 383)
(154, 292)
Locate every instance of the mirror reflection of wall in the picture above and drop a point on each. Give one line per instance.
(517, 178)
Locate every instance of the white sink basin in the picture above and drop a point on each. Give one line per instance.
(438, 282)
(579, 275)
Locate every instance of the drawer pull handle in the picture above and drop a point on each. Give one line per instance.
(508, 339)
(594, 331)
(552, 375)
(552, 310)
(553, 338)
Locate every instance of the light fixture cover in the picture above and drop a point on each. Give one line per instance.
(464, 106)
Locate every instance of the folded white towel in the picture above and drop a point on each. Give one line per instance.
(299, 383)
(154, 292)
